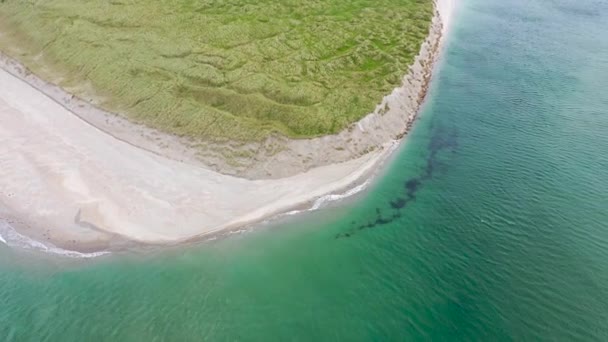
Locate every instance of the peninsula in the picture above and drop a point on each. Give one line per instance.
(160, 123)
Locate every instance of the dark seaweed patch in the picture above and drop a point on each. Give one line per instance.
(399, 203)
(443, 139)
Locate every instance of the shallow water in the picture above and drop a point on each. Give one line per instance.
(491, 224)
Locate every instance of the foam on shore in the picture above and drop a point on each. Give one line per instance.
(10, 237)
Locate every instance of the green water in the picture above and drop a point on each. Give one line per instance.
(490, 224)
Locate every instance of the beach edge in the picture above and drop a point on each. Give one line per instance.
(359, 176)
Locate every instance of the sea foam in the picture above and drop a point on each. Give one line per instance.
(10, 237)
(321, 201)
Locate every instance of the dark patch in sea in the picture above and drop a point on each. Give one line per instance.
(443, 139)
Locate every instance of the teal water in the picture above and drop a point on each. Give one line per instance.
(490, 224)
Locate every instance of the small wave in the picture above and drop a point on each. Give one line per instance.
(238, 231)
(323, 200)
(10, 237)
(336, 197)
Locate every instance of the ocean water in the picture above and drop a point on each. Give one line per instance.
(491, 223)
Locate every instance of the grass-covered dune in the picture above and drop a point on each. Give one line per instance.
(222, 69)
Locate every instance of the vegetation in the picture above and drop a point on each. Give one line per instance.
(223, 69)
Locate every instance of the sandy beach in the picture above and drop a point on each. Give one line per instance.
(82, 186)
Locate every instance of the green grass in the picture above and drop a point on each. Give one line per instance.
(223, 69)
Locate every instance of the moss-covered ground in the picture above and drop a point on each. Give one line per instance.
(224, 69)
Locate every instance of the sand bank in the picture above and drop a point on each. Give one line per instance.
(80, 184)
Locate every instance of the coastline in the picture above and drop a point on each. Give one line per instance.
(277, 156)
(104, 183)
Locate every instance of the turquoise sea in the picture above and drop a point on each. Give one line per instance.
(491, 222)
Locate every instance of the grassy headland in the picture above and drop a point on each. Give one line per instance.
(222, 69)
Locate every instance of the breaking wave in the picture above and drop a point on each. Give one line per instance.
(324, 200)
(321, 201)
(10, 237)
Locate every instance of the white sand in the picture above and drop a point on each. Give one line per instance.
(64, 180)
(446, 10)
(59, 171)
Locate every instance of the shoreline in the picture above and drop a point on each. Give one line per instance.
(85, 223)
